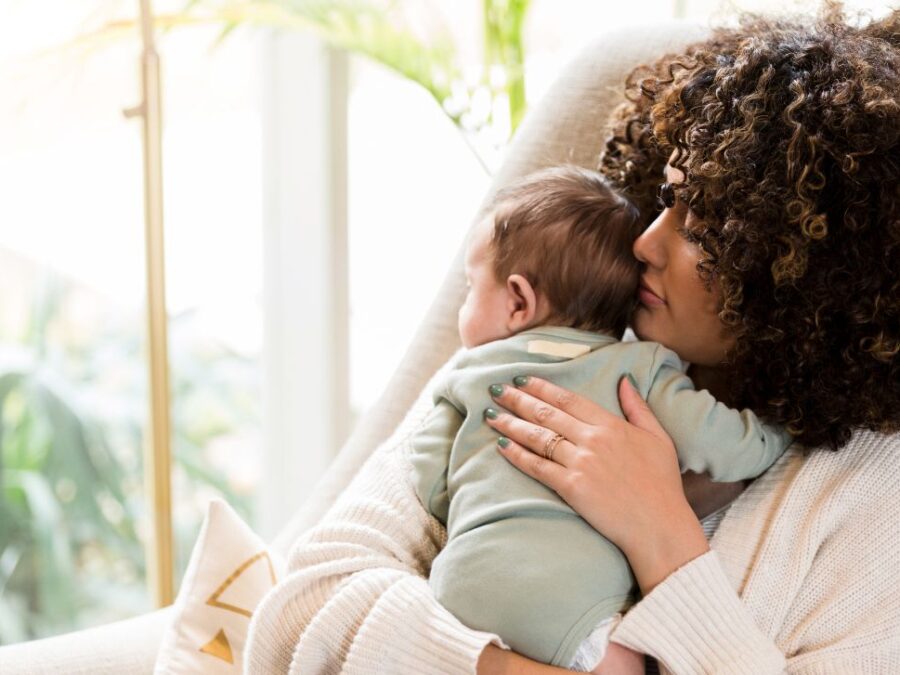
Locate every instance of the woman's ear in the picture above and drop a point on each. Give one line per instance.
(522, 303)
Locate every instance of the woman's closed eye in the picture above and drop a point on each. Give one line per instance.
(697, 237)
(666, 199)
(690, 235)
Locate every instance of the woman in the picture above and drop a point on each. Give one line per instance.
(769, 268)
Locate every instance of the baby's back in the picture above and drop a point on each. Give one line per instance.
(519, 561)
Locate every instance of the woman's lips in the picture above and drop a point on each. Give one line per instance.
(648, 297)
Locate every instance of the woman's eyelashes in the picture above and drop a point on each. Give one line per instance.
(687, 228)
(666, 199)
(689, 235)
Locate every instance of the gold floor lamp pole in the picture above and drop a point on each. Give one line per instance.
(157, 459)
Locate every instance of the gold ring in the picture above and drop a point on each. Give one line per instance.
(550, 445)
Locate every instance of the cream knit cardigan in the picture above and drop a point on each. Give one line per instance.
(803, 577)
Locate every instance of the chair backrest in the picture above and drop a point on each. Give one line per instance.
(567, 126)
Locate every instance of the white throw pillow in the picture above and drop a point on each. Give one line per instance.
(230, 571)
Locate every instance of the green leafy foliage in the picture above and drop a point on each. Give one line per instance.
(72, 505)
(485, 100)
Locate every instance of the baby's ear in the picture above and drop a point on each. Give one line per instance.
(522, 303)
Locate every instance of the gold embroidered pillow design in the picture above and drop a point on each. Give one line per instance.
(230, 571)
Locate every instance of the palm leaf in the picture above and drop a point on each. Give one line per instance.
(377, 30)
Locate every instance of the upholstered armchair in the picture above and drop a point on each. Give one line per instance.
(566, 127)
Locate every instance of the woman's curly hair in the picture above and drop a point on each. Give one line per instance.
(787, 133)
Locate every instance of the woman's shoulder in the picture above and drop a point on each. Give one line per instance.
(852, 483)
(821, 485)
(812, 499)
(869, 457)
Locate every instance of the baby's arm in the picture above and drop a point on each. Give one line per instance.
(709, 436)
(430, 456)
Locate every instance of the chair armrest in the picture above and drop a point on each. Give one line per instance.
(122, 648)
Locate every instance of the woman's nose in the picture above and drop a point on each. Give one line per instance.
(649, 248)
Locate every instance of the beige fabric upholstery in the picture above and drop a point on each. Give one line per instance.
(121, 648)
(567, 126)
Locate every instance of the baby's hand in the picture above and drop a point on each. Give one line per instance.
(620, 660)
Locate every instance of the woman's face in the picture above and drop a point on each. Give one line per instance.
(675, 307)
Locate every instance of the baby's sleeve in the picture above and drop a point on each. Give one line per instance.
(709, 436)
(430, 457)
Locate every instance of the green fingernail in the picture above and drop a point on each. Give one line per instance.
(496, 390)
(490, 413)
(632, 380)
(503, 442)
(520, 380)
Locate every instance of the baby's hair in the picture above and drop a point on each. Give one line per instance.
(568, 232)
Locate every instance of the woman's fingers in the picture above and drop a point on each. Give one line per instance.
(574, 405)
(547, 472)
(532, 437)
(637, 411)
(541, 413)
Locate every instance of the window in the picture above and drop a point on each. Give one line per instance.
(73, 370)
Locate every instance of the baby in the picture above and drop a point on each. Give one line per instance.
(551, 284)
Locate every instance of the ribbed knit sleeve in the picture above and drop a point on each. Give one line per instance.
(356, 599)
(805, 577)
(694, 623)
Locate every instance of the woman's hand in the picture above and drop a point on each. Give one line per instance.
(621, 476)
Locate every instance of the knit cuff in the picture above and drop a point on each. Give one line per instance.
(409, 632)
(694, 622)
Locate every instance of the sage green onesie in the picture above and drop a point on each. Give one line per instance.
(518, 561)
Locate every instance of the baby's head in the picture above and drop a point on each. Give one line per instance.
(554, 249)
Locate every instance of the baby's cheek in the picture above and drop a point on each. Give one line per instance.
(464, 325)
(463, 315)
